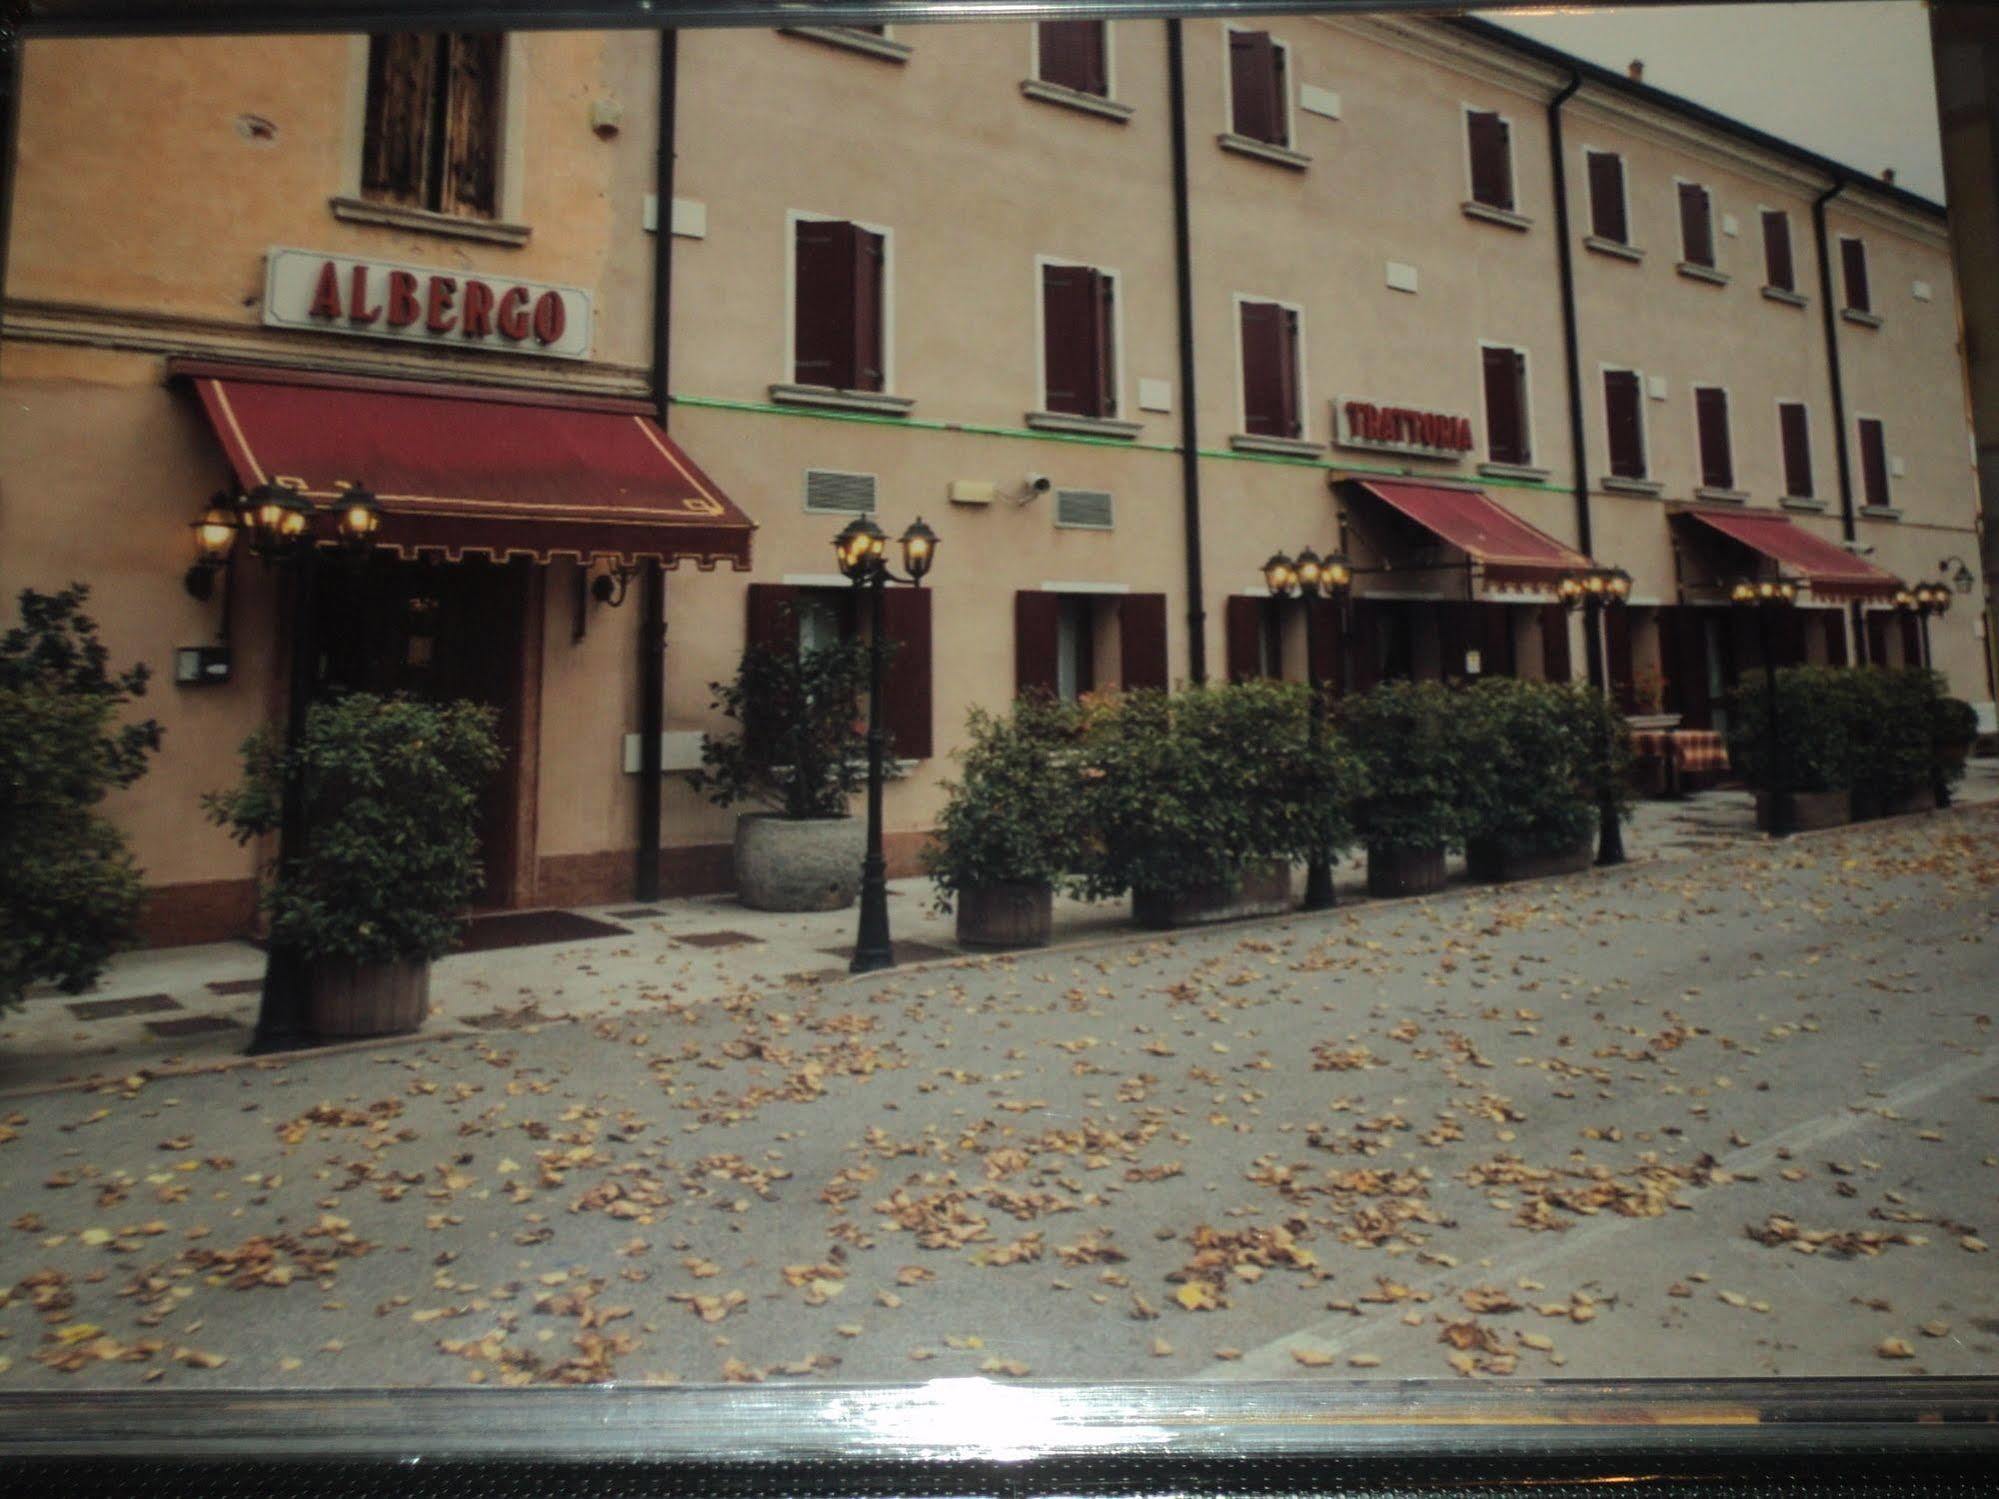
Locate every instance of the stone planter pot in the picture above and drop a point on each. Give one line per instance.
(1501, 859)
(809, 864)
(1013, 913)
(345, 1000)
(1810, 810)
(1405, 871)
(1263, 890)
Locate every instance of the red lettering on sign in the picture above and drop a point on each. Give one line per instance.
(403, 306)
(326, 295)
(476, 321)
(512, 318)
(439, 317)
(550, 317)
(358, 310)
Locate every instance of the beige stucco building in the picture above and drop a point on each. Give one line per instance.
(1370, 220)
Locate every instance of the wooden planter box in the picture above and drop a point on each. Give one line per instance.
(1405, 871)
(1810, 810)
(1263, 890)
(1498, 859)
(368, 999)
(1016, 913)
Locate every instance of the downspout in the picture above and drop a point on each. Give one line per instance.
(1183, 271)
(1847, 529)
(1572, 357)
(652, 591)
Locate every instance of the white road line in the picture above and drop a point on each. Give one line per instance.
(1273, 1359)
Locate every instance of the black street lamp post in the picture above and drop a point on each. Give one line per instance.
(1769, 597)
(1600, 589)
(1312, 577)
(862, 549)
(1924, 600)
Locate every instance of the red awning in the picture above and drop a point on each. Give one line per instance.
(471, 469)
(1831, 571)
(1505, 546)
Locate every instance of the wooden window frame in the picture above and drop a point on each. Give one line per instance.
(1867, 501)
(1034, 72)
(1630, 239)
(792, 219)
(1644, 475)
(1701, 485)
(1763, 212)
(1237, 299)
(1289, 101)
(1713, 262)
(1867, 308)
(1528, 435)
(1116, 278)
(1808, 495)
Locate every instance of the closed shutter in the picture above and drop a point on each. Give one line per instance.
(1256, 86)
(1617, 656)
(1073, 54)
(1696, 225)
(1873, 461)
(1326, 625)
(1717, 462)
(1853, 259)
(1505, 373)
(1243, 617)
(823, 322)
(395, 147)
(906, 706)
(1627, 431)
(1072, 300)
(1835, 636)
(773, 617)
(1877, 637)
(1491, 158)
(472, 126)
(1555, 664)
(1104, 344)
(1777, 267)
(1142, 639)
(1606, 197)
(1791, 422)
(870, 258)
(1037, 625)
(1270, 369)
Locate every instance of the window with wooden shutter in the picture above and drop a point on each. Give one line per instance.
(1696, 225)
(1244, 619)
(1036, 642)
(870, 265)
(1074, 54)
(838, 279)
(1617, 657)
(1607, 217)
(1491, 144)
(1257, 87)
(1853, 261)
(1778, 270)
(1142, 640)
(1795, 433)
(431, 132)
(1077, 311)
(1270, 369)
(1873, 461)
(1624, 412)
(1711, 418)
(1555, 642)
(1506, 406)
(906, 695)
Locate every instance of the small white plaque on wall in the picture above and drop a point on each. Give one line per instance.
(679, 749)
(1655, 386)
(690, 217)
(1730, 225)
(1401, 277)
(1155, 395)
(1897, 468)
(1921, 291)
(1319, 101)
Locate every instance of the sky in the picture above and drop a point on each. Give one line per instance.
(1849, 79)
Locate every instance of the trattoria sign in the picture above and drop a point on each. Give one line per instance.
(1400, 429)
(422, 304)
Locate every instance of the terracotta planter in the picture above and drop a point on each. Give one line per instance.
(1263, 890)
(804, 864)
(368, 999)
(1014, 913)
(1405, 871)
(1810, 810)
(1501, 859)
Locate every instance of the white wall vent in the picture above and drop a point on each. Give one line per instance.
(1083, 509)
(830, 492)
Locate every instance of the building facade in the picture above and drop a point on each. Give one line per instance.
(939, 272)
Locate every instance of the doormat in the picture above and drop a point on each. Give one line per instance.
(118, 1009)
(533, 929)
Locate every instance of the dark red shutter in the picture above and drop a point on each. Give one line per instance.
(1627, 432)
(1555, 642)
(1255, 86)
(395, 144)
(773, 617)
(906, 706)
(1037, 631)
(1835, 636)
(1288, 414)
(1617, 656)
(1853, 258)
(1067, 318)
(1696, 225)
(870, 258)
(823, 319)
(470, 177)
(1777, 268)
(1717, 463)
(1503, 436)
(1103, 322)
(1873, 461)
(1491, 158)
(1243, 617)
(1797, 450)
(1073, 55)
(1270, 369)
(1142, 639)
(1606, 197)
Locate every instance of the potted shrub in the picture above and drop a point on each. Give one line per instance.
(1899, 776)
(392, 851)
(1411, 742)
(1822, 721)
(1953, 730)
(1011, 826)
(1648, 700)
(1536, 757)
(800, 753)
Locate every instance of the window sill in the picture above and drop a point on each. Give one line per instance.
(1623, 484)
(1803, 502)
(1070, 98)
(1694, 271)
(1085, 426)
(1864, 319)
(842, 400)
(1282, 156)
(1473, 209)
(1718, 496)
(423, 221)
(1513, 471)
(853, 41)
(1288, 447)
(1881, 512)
(1785, 295)
(1616, 248)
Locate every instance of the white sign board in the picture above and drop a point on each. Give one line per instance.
(424, 304)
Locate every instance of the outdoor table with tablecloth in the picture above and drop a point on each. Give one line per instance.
(1684, 753)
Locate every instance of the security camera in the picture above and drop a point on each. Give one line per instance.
(1038, 483)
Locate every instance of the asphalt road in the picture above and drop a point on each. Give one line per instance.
(1729, 1118)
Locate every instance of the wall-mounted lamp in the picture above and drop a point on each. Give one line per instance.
(1962, 579)
(610, 588)
(214, 542)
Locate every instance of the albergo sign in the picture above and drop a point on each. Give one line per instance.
(422, 304)
(1400, 429)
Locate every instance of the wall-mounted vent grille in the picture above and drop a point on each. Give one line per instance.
(829, 492)
(1083, 509)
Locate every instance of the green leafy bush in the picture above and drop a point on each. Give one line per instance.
(1016, 813)
(1414, 750)
(1953, 723)
(391, 795)
(1538, 756)
(69, 891)
(1827, 717)
(801, 748)
(1900, 761)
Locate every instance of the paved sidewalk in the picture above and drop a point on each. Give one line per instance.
(192, 1007)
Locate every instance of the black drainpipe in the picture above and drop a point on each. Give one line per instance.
(1572, 357)
(1183, 270)
(652, 591)
(1847, 528)
(10, 136)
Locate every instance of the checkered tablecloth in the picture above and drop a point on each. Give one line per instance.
(1683, 752)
